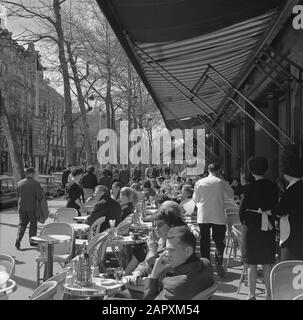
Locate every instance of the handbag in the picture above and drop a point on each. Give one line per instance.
(42, 210)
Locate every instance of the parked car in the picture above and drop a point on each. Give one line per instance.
(57, 178)
(8, 191)
(48, 185)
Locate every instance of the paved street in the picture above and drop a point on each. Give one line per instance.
(26, 265)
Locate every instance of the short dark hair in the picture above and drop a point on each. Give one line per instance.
(186, 237)
(214, 167)
(257, 165)
(147, 184)
(292, 165)
(91, 169)
(170, 216)
(30, 170)
(77, 172)
(188, 188)
(69, 165)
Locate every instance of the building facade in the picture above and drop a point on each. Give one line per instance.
(23, 87)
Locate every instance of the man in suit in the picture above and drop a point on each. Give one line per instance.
(29, 192)
(209, 198)
(124, 176)
(89, 182)
(183, 274)
(106, 207)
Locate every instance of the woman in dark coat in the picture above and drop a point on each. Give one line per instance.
(74, 192)
(290, 209)
(258, 247)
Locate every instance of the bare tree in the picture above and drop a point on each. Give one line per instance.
(48, 16)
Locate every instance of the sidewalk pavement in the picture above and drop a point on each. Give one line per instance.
(26, 267)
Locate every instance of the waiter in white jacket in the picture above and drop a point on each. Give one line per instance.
(209, 198)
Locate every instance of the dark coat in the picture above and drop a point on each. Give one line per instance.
(291, 204)
(187, 280)
(29, 191)
(108, 208)
(65, 175)
(106, 181)
(124, 176)
(89, 180)
(127, 210)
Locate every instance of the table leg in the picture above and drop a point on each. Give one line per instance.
(50, 251)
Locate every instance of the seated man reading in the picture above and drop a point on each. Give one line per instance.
(178, 273)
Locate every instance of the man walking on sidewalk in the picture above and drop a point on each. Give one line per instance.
(209, 198)
(29, 191)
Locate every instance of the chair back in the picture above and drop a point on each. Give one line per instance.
(232, 217)
(237, 231)
(123, 227)
(8, 263)
(207, 293)
(95, 228)
(299, 297)
(60, 279)
(97, 249)
(61, 228)
(45, 291)
(65, 215)
(286, 280)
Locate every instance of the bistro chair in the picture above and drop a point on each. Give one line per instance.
(63, 252)
(299, 297)
(123, 227)
(46, 291)
(65, 215)
(232, 217)
(286, 280)
(207, 293)
(60, 279)
(97, 249)
(95, 228)
(8, 263)
(237, 232)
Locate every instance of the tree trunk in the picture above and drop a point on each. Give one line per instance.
(87, 142)
(67, 97)
(12, 142)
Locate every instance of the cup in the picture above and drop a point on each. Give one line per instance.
(4, 276)
(119, 274)
(110, 272)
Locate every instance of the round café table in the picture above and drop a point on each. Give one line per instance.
(50, 240)
(127, 242)
(99, 288)
(79, 226)
(11, 287)
(141, 226)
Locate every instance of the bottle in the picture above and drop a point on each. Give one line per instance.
(84, 271)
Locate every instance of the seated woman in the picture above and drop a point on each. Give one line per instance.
(137, 188)
(168, 216)
(116, 188)
(149, 193)
(128, 201)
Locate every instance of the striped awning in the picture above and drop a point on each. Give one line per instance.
(171, 43)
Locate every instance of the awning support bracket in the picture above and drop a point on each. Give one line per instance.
(251, 104)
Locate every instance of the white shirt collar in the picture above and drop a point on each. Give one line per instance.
(293, 182)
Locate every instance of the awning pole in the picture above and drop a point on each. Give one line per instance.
(196, 105)
(250, 103)
(289, 75)
(170, 74)
(269, 76)
(183, 127)
(196, 88)
(226, 145)
(252, 118)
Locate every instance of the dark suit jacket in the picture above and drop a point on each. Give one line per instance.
(89, 180)
(108, 208)
(65, 175)
(29, 191)
(291, 203)
(187, 280)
